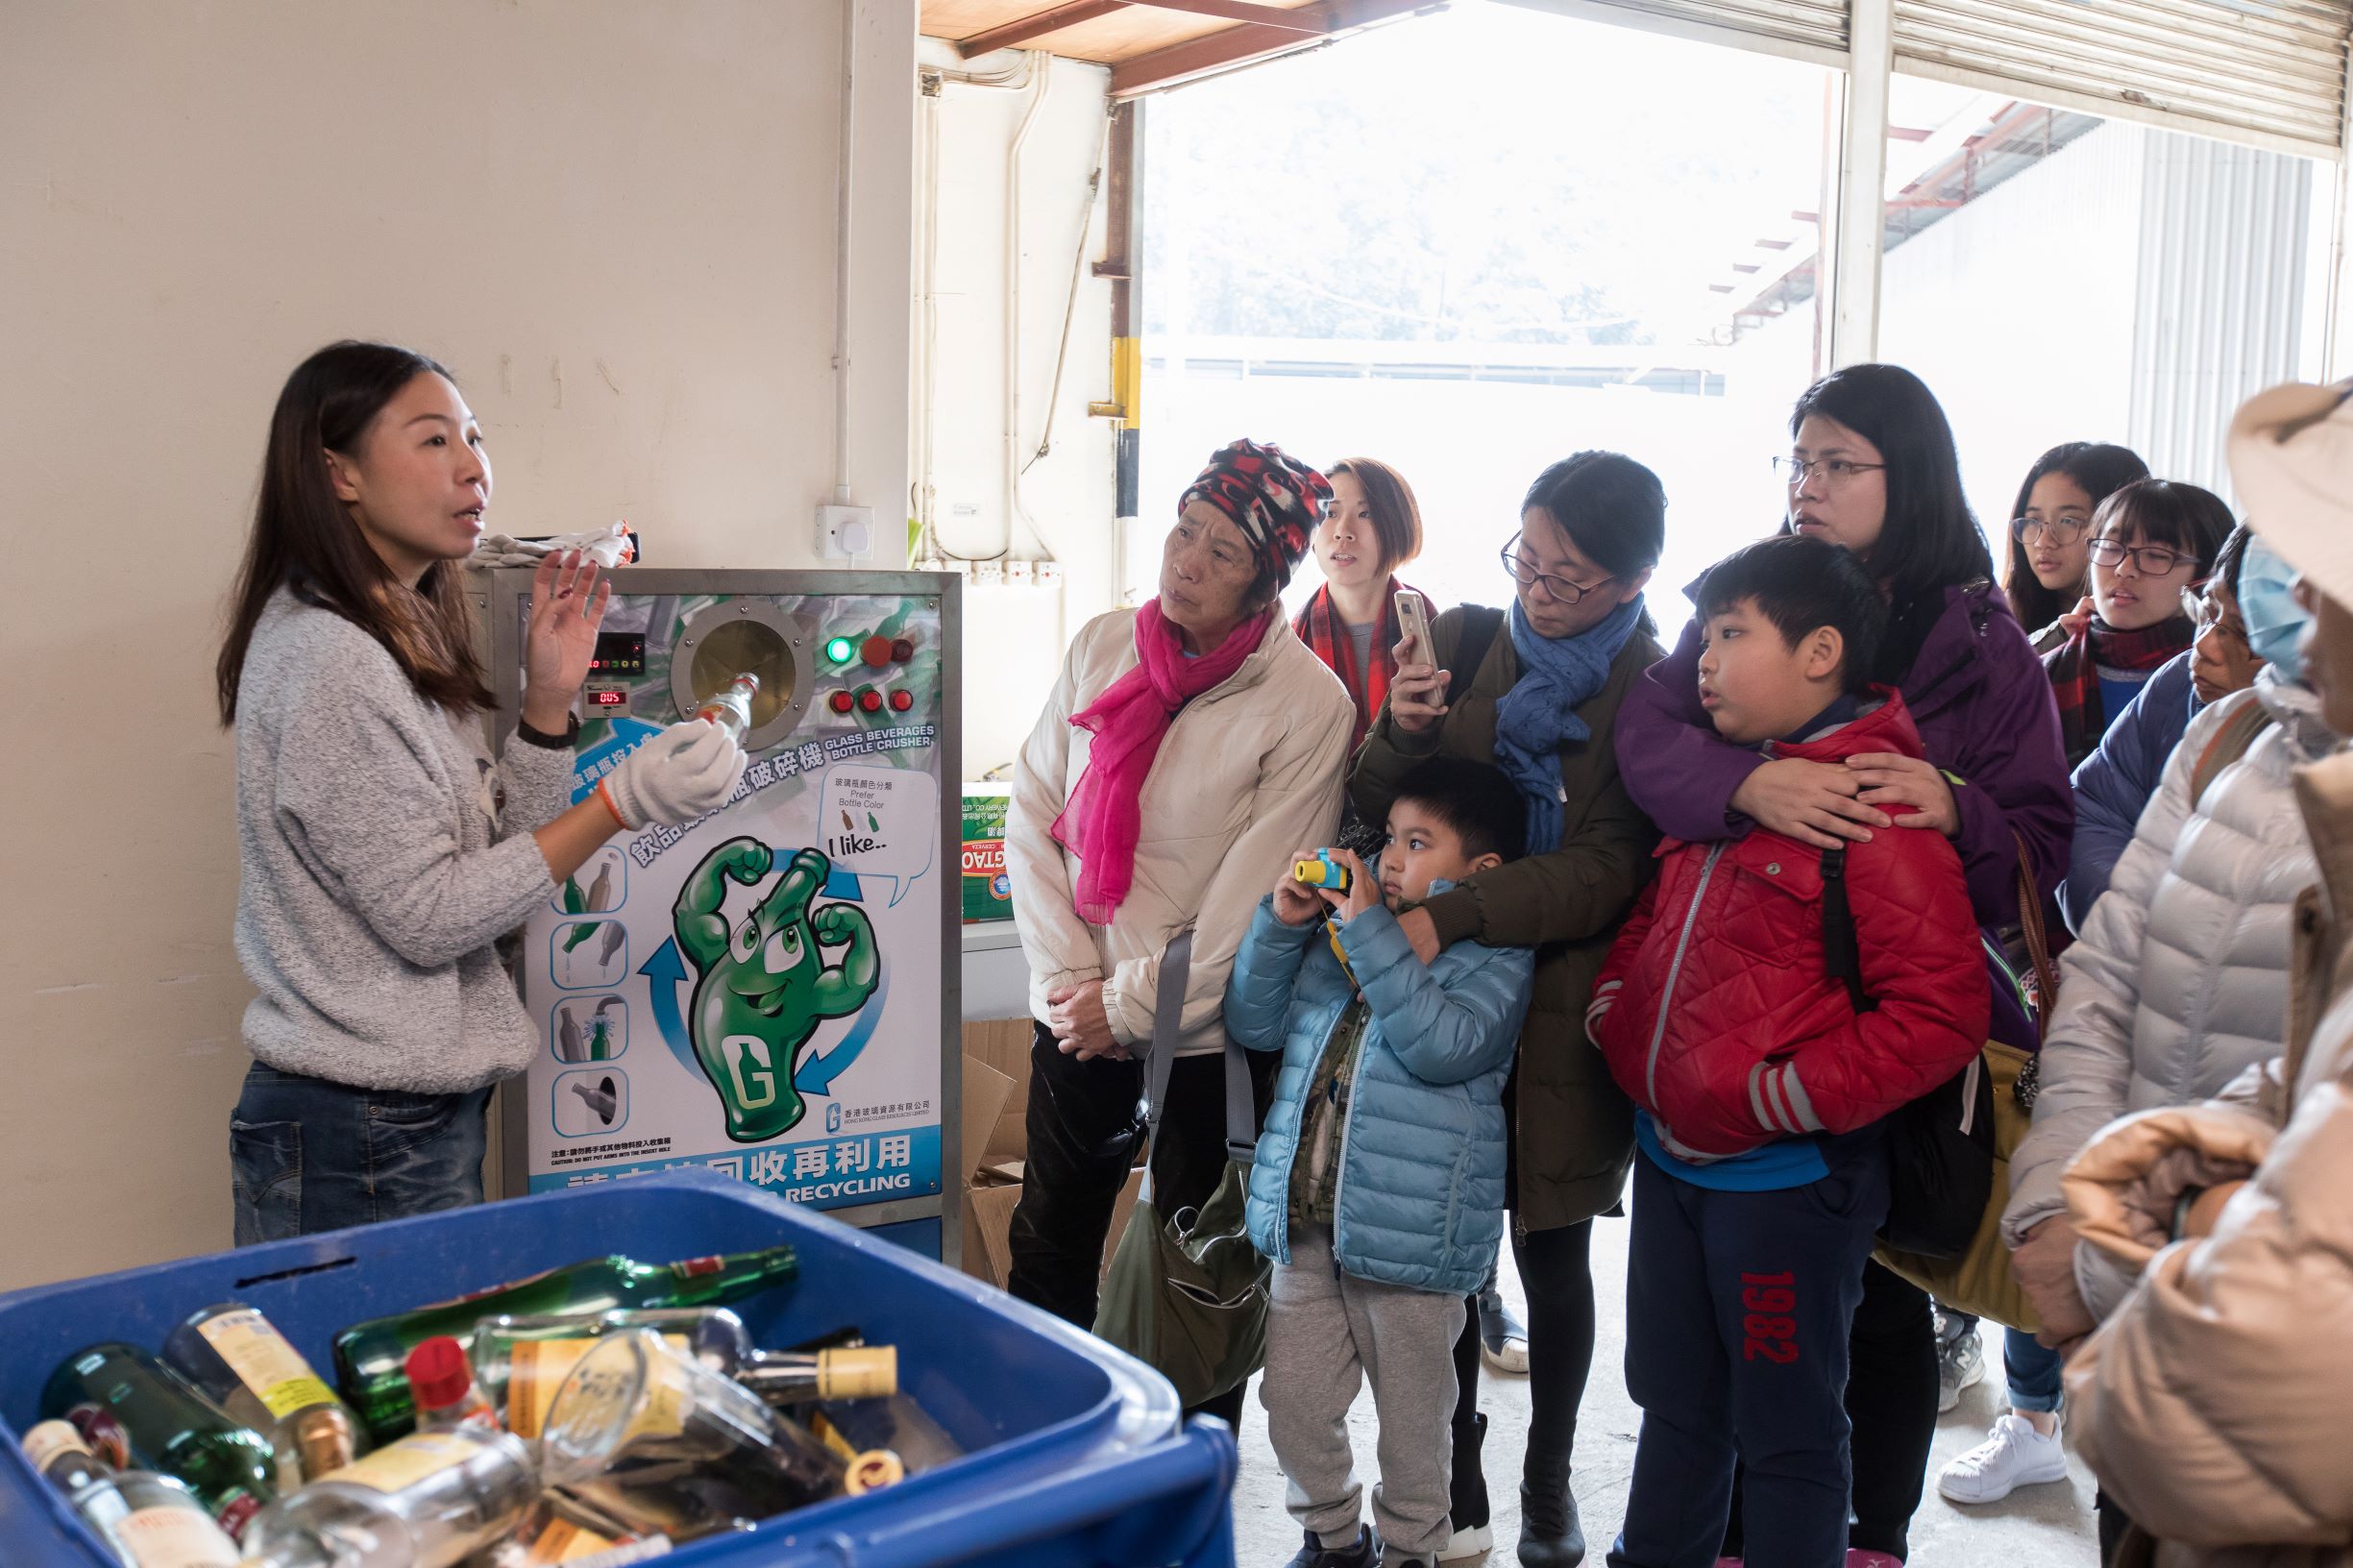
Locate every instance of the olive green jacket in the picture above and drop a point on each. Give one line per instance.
(1573, 1132)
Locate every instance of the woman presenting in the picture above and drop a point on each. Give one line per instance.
(383, 852)
(1189, 745)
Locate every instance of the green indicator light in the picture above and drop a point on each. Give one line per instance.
(839, 649)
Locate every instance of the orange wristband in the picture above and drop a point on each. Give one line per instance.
(603, 796)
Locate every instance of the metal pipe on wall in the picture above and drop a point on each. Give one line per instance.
(848, 149)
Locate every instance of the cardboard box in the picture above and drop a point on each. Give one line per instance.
(987, 893)
(995, 1104)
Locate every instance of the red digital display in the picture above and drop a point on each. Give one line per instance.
(609, 699)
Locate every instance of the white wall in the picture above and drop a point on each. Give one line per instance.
(2018, 311)
(614, 220)
(1015, 635)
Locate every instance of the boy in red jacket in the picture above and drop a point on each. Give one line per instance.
(1760, 1083)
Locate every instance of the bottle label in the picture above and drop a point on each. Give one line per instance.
(606, 1393)
(536, 1368)
(49, 1439)
(173, 1538)
(236, 1511)
(401, 1466)
(696, 1267)
(273, 1369)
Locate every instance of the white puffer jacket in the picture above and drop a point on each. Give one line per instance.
(2180, 979)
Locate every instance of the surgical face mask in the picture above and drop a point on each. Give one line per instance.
(2266, 603)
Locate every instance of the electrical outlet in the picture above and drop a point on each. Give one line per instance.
(931, 563)
(1016, 574)
(988, 574)
(845, 533)
(1047, 574)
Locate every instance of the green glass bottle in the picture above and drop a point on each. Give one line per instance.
(370, 1358)
(138, 1413)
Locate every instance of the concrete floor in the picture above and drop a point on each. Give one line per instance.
(2034, 1526)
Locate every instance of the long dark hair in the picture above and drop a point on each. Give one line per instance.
(1929, 541)
(304, 538)
(2100, 470)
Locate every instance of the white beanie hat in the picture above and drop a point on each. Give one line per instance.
(2292, 459)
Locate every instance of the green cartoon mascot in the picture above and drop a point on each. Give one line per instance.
(762, 991)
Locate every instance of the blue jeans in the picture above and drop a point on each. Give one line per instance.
(2033, 1371)
(308, 1155)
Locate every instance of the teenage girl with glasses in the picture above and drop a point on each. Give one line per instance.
(2050, 533)
(2152, 541)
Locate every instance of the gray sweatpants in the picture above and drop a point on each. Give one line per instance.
(1327, 1333)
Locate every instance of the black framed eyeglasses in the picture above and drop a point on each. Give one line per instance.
(2149, 560)
(1554, 584)
(2059, 530)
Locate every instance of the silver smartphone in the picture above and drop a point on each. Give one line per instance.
(1413, 618)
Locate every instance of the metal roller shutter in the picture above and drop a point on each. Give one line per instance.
(2267, 73)
(1814, 30)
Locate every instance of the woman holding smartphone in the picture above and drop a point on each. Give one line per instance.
(1539, 689)
(1371, 527)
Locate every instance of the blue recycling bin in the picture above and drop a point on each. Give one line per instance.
(1073, 1456)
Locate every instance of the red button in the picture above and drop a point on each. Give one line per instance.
(901, 651)
(840, 702)
(901, 702)
(871, 701)
(876, 652)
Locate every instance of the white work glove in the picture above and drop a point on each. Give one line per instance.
(686, 771)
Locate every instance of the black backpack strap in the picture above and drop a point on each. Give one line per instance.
(1480, 625)
(1841, 953)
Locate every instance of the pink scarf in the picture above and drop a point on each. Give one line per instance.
(1104, 816)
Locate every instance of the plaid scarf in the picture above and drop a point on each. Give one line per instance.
(2074, 667)
(1319, 627)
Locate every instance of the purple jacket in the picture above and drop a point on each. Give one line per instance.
(1985, 712)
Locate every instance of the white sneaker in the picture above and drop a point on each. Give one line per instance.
(1474, 1542)
(2013, 1455)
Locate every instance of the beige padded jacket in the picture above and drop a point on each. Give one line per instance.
(1248, 772)
(2214, 1404)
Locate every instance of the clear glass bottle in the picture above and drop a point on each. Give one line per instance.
(521, 1360)
(430, 1500)
(661, 1442)
(146, 1520)
(730, 708)
(239, 1361)
(369, 1357)
(138, 1413)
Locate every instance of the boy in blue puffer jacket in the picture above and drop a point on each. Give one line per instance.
(1378, 1190)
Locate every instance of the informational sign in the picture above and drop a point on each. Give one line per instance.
(759, 991)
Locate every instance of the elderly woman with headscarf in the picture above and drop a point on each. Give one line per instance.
(1189, 745)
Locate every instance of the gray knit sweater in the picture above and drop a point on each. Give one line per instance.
(383, 855)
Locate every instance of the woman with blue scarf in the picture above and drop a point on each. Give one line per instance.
(1535, 689)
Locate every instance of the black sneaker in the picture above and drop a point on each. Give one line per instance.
(1361, 1552)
